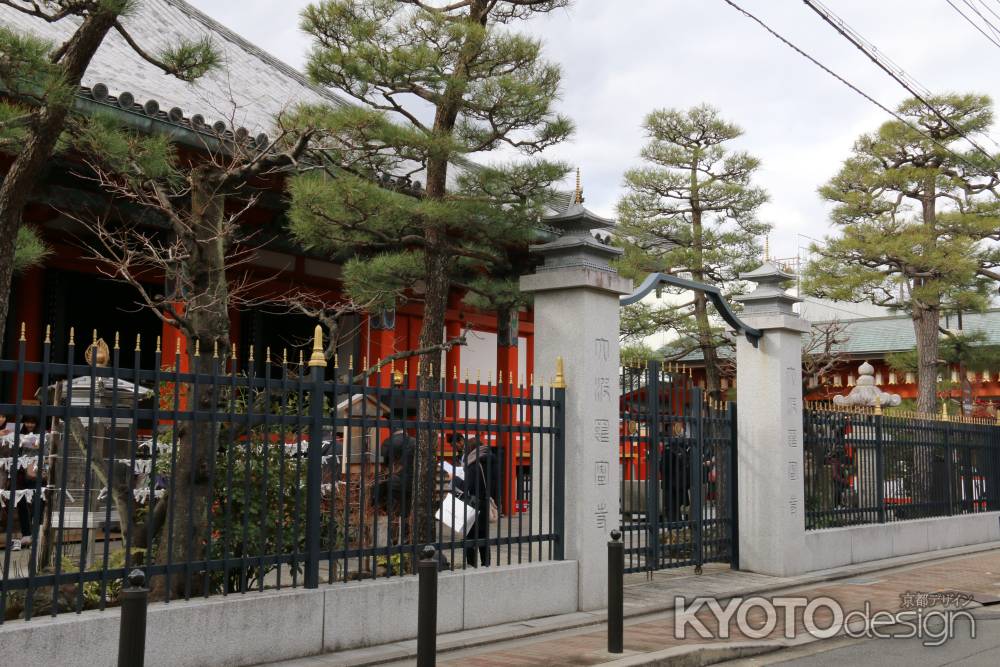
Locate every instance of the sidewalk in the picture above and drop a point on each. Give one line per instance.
(580, 639)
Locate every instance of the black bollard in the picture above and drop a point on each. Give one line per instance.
(427, 570)
(616, 593)
(132, 633)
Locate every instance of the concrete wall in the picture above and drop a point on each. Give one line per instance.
(834, 547)
(262, 627)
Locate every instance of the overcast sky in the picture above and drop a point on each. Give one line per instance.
(623, 58)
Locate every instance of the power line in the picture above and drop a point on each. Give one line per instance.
(989, 9)
(973, 23)
(989, 24)
(850, 85)
(868, 49)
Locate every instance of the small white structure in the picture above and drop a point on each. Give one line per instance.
(865, 393)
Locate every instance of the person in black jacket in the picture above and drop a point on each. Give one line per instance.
(480, 484)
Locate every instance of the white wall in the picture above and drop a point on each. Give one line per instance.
(251, 629)
(834, 547)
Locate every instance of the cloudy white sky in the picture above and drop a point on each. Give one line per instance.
(623, 58)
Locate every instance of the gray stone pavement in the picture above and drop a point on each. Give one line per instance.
(962, 650)
(648, 601)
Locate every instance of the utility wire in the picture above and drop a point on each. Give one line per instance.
(838, 24)
(993, 28)
(973, 23)
(990, 10)
(850, 85)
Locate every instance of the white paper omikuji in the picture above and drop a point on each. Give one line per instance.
(22, 461)
(18, 496)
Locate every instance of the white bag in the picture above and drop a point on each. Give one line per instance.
(456, 514)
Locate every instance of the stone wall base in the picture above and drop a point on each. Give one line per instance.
(833, 547)
(250, 629)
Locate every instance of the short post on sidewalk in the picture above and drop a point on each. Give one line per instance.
(616, 593)
(427, 571)
(132, 631)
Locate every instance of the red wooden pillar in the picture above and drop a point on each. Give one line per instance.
(175, 354)
(508, 441)
(381, 344)
(28, 309)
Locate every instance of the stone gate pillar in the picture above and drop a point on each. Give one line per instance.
(576, 295)
(770, 438)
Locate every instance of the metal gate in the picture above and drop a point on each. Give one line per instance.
(678, 460)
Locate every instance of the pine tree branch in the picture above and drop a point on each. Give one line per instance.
(408, 354)
(68, 10)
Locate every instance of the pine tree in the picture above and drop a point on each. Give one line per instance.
(916, 211)
(38, 82)
(691, 211)
(202, 199)
(434, 85)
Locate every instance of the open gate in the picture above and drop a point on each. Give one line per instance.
(678, 459)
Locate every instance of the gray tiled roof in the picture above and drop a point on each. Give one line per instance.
(249, 90)
(877, 336)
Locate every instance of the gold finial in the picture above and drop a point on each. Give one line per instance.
(138, 342)
(500, 377)
(364, 363)
(197, 347)
(116, 341)
(302, 361)
(454, 372)
(531, 380)
(98, 353)
(233, 354)
(215, 349)
(250, 356)
(318, 359)
(578, 196)
(94, 342)
(157, 344)
(336, 361)
(48, 333)
(23, 339)
(878, 404)
(284, 356)
(71, 341)
(350, 362)
(267, 355)
(560, 381)
(767, 248)
(944, 410)
(177, 347)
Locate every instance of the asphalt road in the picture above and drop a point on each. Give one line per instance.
(959, 651)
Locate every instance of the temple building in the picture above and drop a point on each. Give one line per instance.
(241, 98)
(874, 340)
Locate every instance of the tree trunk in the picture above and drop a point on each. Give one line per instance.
(437, 281)
(429, 410)
(708, 349)
(46, 126)
(704, 326)
(925, 325)
(207, 313)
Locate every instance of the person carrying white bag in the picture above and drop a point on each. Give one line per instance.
(478, 489)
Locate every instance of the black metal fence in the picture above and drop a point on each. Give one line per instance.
(863, 468)
(217, 481)
(678, 460)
